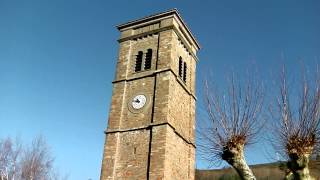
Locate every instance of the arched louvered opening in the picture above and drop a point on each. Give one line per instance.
(180, 66)
(147, 63)
(184, 71)
(138, 61)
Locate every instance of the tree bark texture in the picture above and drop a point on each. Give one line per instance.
(235, 157)
(299, 167)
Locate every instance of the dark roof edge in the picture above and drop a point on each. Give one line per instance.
(155, 16)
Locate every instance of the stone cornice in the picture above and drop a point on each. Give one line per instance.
(149, 126)
(153, 73)
(169, 13)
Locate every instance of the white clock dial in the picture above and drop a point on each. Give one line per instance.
(139, 101)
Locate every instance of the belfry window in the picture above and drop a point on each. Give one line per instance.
(138, 61)
(184, 71)
(180, 66)
(147, 63)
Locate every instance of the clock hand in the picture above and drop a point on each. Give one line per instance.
(137, 101)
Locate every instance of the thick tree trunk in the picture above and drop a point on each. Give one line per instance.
(299, 167)
(235, 157)
(243, 169)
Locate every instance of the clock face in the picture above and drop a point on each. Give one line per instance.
(139, 101)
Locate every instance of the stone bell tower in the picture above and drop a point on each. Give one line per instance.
(151, 123)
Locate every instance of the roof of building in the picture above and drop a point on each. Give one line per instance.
(159, 15)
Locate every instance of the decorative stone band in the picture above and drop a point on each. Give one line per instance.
(153, 73)
(111, 131)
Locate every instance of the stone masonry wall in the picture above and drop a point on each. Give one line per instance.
(125, 155)
(132, 118)
(158, 153)
(109, 156)
(179, 163)
(132, 155)
(129, 131)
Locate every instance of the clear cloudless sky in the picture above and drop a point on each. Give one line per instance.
(57, 61)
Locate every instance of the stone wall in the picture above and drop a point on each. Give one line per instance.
(179, 157)
(132, 118)
(157, 140)
(125, 155)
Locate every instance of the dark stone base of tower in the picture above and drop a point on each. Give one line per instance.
(151, 123)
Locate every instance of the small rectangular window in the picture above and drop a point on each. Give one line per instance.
(180, 66)
(147, 63)
(184, 71)
(138, 61)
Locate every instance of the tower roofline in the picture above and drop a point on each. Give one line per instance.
(157, 16)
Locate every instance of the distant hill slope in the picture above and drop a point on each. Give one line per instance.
(271, 171)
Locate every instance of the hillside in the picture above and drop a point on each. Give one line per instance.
(271, 171)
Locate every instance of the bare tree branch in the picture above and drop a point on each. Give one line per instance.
(296, 132)
(232, 121)
(26, 163)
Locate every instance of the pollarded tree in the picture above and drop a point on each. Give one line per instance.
(232, 122)
(297, 118)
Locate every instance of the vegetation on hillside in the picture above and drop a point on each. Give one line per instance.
(272, 171)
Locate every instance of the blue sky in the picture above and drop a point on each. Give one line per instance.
(57, 61)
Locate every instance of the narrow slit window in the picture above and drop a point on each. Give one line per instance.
(184, 71)
(180, 66)
(135, 150)
(147, 63)
(138, 61)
